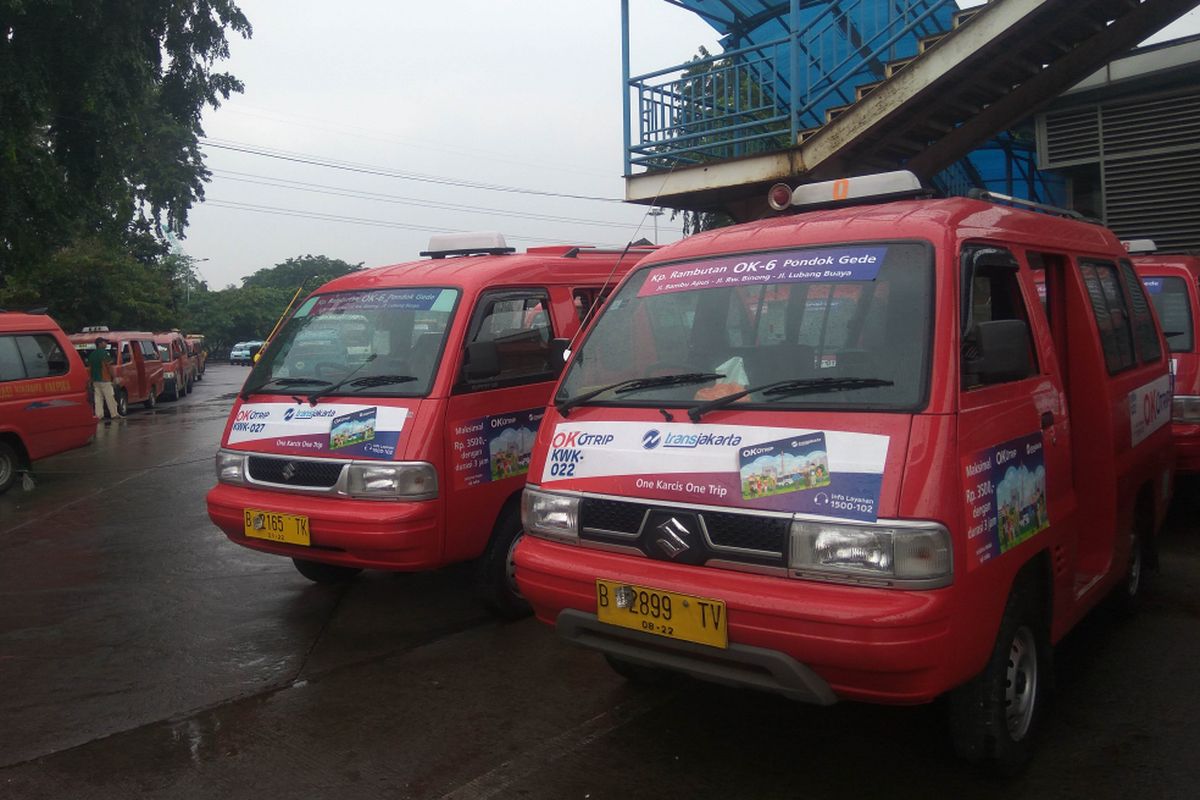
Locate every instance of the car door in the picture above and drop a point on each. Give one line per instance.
(505, 376)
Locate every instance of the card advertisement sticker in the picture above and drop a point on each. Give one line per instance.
(493, 448)
(786, 465)
(826, 265)
(1005, 492)
(351, 429)
(827, 473)
(339, 429)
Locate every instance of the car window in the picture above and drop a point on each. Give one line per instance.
(1112, 318)
(518, 323)
(11, 366)
(42, 356)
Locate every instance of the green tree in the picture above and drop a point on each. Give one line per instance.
(235, 314)
(310, 271)
(100, 106)
(96, 282)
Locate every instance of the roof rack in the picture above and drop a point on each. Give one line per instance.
(489, 243)
(1033, 205)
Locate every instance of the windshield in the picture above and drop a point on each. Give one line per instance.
(1170, 299)
(389, 339)
(852, 323)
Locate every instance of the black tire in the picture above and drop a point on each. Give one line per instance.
(122, 402)
(1127, 595)
(10, 464)
(173, 395)
(317, 572)
(496, 580)
(994, 717)
(637, 673)
(152, 400)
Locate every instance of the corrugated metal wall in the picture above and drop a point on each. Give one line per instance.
(1148, 154)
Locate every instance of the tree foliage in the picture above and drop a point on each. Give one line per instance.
(100, 107)
(309, 271)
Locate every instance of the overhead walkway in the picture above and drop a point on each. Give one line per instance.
(995, 66)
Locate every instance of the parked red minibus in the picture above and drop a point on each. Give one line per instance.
(846, 454)
(44, 407)
(388, 423)
(137, 370)
(1171, 281)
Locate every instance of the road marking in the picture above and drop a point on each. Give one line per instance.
(491, 783)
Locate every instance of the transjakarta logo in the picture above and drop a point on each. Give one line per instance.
(651, 439)
(690, 440)
(308, 413)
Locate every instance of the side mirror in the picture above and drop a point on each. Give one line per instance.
(559, 354)
(482, 362)
(1004, 352)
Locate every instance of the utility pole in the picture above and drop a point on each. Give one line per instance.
(655, 212)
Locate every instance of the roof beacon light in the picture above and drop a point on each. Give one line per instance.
(467, 244)
(844, 191)
(1139, 246)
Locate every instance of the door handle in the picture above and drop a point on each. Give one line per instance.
(1047, 419)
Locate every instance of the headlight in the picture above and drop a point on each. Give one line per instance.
(231, 467)
(866, 552)
(414, 480)
(550, 516)
(1185, 409)
(169, 375)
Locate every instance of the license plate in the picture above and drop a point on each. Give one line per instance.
(666, 614)
(275, 527)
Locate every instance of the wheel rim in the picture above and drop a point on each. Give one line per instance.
(1020, 693)
(7, 468)
(1134, 581)
(510, 566)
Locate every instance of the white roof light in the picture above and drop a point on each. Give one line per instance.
(862, 187)
(1135, 246)
(461, 244)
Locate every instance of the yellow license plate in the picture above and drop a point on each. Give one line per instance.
(667, 614)
(275, 527)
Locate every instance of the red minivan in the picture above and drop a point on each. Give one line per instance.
(1171, 281)
(137, 370)
(388, 424)
(847, 455)
(180, 365)
(44, 406)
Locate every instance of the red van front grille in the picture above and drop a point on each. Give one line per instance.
(295, 471)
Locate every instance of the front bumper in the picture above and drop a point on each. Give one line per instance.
(806, 640)
(372, 534)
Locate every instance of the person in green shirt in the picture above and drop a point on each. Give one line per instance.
(100, 365)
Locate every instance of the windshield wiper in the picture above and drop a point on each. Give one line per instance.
(283, 382)
(312, 398)
(636, 385)
(382, 380)
(787, 388)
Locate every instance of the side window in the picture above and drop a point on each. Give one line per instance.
(126, 353)
(1149, 348)
(1108, 305)
(11, 367)
(149, 350)
(42, 356)
(518, 324)
(991, 293)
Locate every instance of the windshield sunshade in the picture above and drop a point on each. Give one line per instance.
(377, 342)
(854, 319)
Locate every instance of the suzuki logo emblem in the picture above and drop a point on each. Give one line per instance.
(289, 470)
(673, 541)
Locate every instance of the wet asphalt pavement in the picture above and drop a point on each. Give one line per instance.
(144, 655)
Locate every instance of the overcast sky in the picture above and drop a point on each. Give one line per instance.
(521, 94)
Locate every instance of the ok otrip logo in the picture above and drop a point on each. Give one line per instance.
(566, 451)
